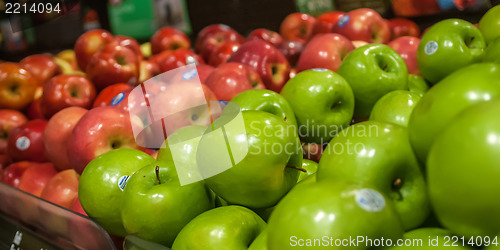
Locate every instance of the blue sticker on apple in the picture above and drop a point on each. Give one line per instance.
(189, 74)
(122, 182)
(117, 99)
(343, 20)
(431, 47)
(222, 104)
(319, 70)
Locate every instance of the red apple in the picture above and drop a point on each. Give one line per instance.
(9, 119)
(324, 23)
(62, 189)
(77, 206)
(130, 43)
(169, 39)
(297, 26)
(66, 91)
(42, 67)
(215, 40)
(69, 56)
(269, 36)
(13, 172)
(100, 130)
(222, 53)
(312, 151)
(4, 162)
(113, 64)
(17, 86)
(148, 69)
(171, 59)
(208, 31)
(407, 47)
(57, 133)
(272, 67)
(34, 110)
(25, 142)
(325, 51)
(107, 94)
(36, 177)
(230, 79)
(204, 70)
(403, 27)
(365, 25)
(291, 49)
(88, 44)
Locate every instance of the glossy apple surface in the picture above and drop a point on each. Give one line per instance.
(36, 177)
(492, 53)
(365, 25)
(437, 108)
(489, 24)
(13, 172)
(334, 209)
(373, 71)
(9, 120)
(43, 67)
(403, 27)
(266, 60)
(234, 227)
(407, 47)
(292, 50)
(297, 26)
(57, 133)
(103, 181)
(395, 107)
(325, 51)
(269, 36)
(98, 131)
(209, 31)
(222, 53)
(230, 79)
(215, 40)
(171, 59)
(17, 86)
(130, 43)
(462, 165)
(448, 46)
(161, 193)
(88, 44)
(107, 94)
(25, 142)
(323, 103)
(66, 91)
(359, 154)
(169, 38)
(417, 85)
(326, 21)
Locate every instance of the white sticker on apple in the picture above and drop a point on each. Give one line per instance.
(319, 70)
(117, 99)
(344, 20)
(370, 200)
(122, 182)
(431, 47)
(23, 143)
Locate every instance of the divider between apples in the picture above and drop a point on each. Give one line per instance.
(332, 130)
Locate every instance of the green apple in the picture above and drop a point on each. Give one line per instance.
(156, 206)
(322, 101)
(463, 172)
(260, 243)
(448, 46)
(417, 84)
(266, 100)
(330, 211)
(230, 227)
(465, 87)
(380, 155)
(489, 24)
(262, 164)
(373, 70)
(429, 238)
(101, 185)
(310, 166)
(492, 53)
(395, 107)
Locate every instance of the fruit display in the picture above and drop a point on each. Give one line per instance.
(342, 130)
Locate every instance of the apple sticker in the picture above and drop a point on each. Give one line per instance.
(370, 200)
(431, 47)
(343, 20)
(122, 182)
(117, 99)
(189, 74)
(23, 143)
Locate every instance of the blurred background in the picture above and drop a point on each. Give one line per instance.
(141, 18)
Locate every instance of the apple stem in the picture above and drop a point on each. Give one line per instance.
(157, 170)
(297, 168)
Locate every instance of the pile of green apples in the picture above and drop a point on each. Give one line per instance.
(405, 157)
